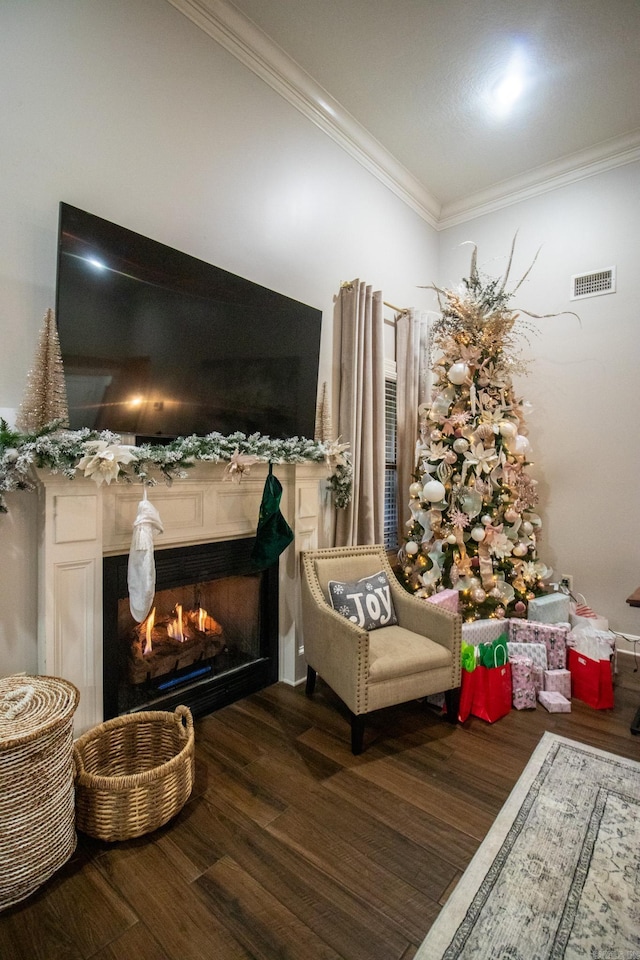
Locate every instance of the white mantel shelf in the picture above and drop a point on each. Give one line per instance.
(80, 523)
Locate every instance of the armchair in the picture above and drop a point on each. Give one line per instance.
(374, 668)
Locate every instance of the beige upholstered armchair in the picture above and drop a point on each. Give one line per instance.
(374, 668)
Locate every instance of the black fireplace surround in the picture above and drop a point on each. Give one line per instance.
(249, 597)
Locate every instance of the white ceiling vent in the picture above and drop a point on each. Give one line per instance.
(593, 284)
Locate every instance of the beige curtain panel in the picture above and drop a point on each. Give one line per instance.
(412, 365)
(358, 391)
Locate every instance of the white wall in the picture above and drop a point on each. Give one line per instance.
(127, 110)
(583, 378)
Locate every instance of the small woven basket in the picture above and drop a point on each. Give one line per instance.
(37, 828)
(134, 773)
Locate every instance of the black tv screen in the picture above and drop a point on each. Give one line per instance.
(158, 344)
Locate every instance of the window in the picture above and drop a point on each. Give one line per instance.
(391, 467)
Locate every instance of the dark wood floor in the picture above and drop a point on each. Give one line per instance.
(291, 847)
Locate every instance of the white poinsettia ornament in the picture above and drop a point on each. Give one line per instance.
(103, 461)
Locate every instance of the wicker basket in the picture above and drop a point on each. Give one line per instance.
(133, 773)
(37, 829)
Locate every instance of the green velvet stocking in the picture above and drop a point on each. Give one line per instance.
(274, 533)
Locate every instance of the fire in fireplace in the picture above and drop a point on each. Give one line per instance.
(211, 636)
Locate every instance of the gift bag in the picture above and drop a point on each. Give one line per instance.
(581, 615)
(591, 680)
(491, 692)
(467, 681)
(467, 687)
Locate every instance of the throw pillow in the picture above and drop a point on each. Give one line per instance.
(365, 602)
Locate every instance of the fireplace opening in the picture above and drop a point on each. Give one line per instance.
(210, 638)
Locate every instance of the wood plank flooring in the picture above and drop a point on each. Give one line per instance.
(290, 847)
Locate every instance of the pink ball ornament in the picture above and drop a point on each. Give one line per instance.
(520, 549)
(499, 612)
(520, 607)
(511, 515)
(478, 595)
(436, 435)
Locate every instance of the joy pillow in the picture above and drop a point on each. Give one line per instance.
(365, 602)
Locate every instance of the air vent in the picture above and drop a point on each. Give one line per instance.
(593, 284)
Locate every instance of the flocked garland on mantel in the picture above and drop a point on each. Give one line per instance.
(102, 456)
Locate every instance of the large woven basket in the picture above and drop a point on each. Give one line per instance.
(37, 829)
(133, 773)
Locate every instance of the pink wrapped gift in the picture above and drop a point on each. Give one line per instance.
(538, 678)
(558, 680)
(553, 636)
(449, 599)
(554, 702)
(524, 693)
(483, 631)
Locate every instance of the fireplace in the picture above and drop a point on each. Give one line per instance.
(85, 527)
(211, 636)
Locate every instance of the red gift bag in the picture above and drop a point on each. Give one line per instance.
(467, 687)
(492, 694)
(591, 680)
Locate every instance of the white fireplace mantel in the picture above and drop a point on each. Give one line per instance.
(80, 523)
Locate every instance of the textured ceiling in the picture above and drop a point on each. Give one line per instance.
(417, 74)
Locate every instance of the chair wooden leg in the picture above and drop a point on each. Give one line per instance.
(452, 701)
(311, 681)
(357, 733)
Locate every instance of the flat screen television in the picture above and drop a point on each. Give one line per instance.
(157, 344)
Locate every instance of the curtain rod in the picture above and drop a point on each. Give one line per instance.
(397, 309)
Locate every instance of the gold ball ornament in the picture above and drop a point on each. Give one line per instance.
(461, 445)
(415, 490)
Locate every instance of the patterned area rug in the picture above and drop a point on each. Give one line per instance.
(558, 875)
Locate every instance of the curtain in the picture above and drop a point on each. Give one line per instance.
(358, 391)
(412, 364)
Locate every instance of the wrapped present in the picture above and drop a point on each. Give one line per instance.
(538, 677)
(554, 702)
(524, 692)
(550, 608)
(558, 680)
(537, 652)
(448, 599)
(483, 631)
(554, 637)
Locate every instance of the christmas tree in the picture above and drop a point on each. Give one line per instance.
(473, 523)
(45, 396)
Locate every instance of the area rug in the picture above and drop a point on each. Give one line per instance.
(558, 874)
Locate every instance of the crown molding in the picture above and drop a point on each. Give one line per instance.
(578, 166)
(242, 38)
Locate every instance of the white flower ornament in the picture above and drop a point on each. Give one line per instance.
(103, 461)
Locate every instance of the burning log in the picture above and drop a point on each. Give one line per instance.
(160, 646)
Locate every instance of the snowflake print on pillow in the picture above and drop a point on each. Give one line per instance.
(366, 602)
